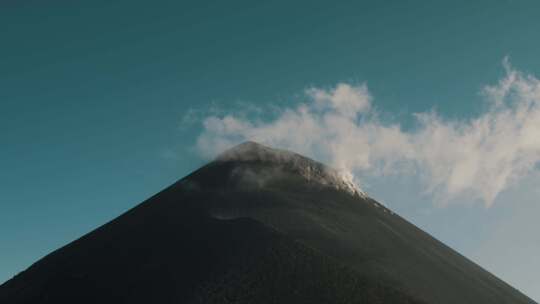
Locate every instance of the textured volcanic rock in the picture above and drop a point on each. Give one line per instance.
(258, 225)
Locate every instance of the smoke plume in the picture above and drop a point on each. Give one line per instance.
(477, 158)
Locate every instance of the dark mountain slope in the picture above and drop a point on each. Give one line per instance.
(168, 250)
(258, 225)
(346, 225)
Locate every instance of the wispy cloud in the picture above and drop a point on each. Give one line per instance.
(475, 158)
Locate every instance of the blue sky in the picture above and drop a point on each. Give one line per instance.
(103, 104)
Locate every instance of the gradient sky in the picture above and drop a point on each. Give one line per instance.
(102, 103)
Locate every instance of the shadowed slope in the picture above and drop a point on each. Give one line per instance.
(168, 250)
(258, 225)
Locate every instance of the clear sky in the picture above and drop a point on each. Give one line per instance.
(104, 103)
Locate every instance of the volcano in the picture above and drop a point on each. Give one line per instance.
(258, 225)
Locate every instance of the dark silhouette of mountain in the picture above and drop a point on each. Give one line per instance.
(258, 225)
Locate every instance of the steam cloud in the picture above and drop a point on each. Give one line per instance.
(477, 158)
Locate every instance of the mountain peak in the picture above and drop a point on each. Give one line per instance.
(249, 151)
(253, 151)
(310, 169)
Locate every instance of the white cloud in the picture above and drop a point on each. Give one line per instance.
(477, 158)
(344, 99)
